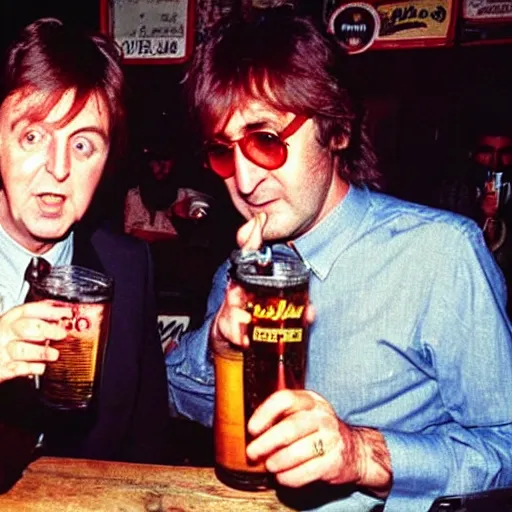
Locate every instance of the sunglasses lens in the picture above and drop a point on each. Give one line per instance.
(264, 149)
(220, 158)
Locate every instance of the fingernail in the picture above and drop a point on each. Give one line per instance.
(262, 218)
(248, 452)
(52, 354)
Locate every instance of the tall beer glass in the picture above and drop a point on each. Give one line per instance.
(70, 382)
(277, 294)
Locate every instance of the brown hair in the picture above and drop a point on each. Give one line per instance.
(284, 59)
(50, 57)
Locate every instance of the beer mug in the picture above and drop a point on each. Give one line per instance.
(70, 382)
(496, 184)
(277, 291)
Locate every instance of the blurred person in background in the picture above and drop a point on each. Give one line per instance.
(147, 211)
(482, 189)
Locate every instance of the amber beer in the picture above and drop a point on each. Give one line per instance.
(69, 383)
(276, 357)
(231, 464)
(277, 297)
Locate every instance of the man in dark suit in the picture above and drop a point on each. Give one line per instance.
(61, 124)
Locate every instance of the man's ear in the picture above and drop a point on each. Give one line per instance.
(338, 142)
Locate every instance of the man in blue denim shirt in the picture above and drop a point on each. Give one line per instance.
(409, 377)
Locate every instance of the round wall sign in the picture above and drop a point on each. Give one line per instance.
(355, 26)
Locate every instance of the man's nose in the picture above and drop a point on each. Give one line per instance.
(247, 174)
(500, 160)
(496, 160)
(57, 161)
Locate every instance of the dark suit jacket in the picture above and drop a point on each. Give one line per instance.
(130, 419)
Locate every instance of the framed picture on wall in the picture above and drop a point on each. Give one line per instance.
(486, 22)
(150, 31)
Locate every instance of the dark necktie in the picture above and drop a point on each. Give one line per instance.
(38, 267)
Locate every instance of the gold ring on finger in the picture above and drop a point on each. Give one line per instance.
(318, 447)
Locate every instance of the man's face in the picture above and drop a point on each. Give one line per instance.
(494, 151)
(296, 196)
(160, 168)
(49, 173)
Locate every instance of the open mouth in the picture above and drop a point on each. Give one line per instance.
(51, 204)
(51, 199)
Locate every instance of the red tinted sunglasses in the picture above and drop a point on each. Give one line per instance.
(263, 148)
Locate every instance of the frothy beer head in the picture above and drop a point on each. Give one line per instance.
(72, 283)
(269, 270)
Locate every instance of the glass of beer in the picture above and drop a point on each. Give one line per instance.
(277, 291)
(70, 382)
(231, 464)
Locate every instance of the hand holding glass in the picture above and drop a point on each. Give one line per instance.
(277, 298)
(69, 382)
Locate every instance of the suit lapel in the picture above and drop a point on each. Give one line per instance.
(84, 253)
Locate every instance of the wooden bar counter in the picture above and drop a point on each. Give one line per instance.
(77, 485)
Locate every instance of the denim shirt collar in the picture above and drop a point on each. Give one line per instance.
(320, 247)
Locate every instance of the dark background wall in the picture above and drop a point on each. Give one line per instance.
(420, 101)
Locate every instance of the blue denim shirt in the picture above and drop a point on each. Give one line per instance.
(410, 337)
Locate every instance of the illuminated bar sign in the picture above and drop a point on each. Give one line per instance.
(393, 24)
(486, 21)
(150, 31)
(487, 10)
(355, 25)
